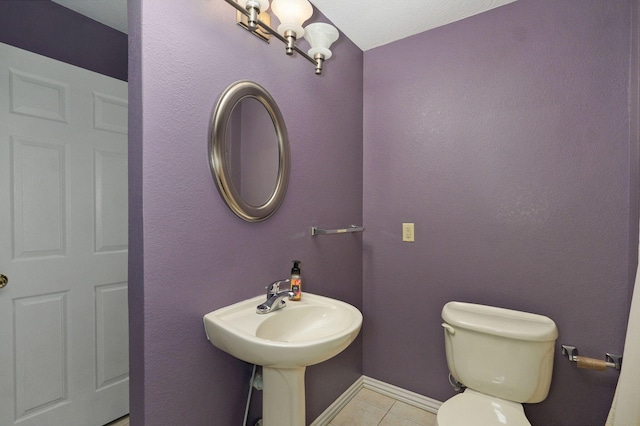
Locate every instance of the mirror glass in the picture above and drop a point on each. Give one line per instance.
(249, 151)
(252, 151)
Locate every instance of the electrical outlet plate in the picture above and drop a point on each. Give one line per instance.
(408, 234)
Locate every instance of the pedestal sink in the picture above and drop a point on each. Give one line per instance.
(284, 343)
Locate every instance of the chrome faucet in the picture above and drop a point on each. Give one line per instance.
(275, 297)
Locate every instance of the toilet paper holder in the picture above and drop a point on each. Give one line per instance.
(610, 361)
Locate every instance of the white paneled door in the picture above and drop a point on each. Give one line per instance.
(63, 243)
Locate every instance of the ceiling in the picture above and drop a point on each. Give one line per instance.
(368, 24)
(109, 12)
(377, 22)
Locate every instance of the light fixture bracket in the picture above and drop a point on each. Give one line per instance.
(290, 36)
(319, 59)
(243, 20)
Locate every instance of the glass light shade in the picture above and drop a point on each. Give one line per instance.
(263, 5)
(320, 36)
(292, 14)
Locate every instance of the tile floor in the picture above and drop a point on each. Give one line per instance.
(123, 421)
(367, 408)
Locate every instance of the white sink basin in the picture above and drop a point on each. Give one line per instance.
(303, 333)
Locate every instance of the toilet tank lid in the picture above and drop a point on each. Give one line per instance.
(500, 321)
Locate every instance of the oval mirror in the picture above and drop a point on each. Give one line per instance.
(249, 151)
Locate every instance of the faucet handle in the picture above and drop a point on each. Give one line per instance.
(274, 287)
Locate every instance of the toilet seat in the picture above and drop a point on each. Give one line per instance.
(475, 408)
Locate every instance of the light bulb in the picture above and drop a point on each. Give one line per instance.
(320, 36)
(292, 14)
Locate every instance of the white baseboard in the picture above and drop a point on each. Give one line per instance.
(403, 395)
(337, 405)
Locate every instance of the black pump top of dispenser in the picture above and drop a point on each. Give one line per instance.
(296, 268)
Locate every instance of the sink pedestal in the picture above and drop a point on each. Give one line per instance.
(283, 396)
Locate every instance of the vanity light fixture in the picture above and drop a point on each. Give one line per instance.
(292, 15)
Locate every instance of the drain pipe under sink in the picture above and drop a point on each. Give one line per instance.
(255, 382)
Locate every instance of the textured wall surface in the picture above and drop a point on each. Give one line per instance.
(505, 138)
(136, 220)
(194, 254)
(48, 29)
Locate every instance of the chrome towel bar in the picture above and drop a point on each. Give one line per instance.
(352, 228)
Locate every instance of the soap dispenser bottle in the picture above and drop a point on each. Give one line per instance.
(296, 281)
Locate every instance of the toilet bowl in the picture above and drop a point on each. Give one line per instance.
(474, 408)
(503, 357)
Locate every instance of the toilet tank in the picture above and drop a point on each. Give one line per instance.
(500, 352)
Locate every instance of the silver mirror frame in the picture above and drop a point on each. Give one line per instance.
(219, 162)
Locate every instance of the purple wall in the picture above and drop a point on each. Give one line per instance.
(506, 138)
(46, 28)
(136, 220)
(189, 253)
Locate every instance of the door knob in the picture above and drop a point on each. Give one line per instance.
(3, 281)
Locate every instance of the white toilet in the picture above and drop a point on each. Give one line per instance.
(503, 357)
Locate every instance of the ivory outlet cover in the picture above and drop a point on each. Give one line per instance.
(408, 232)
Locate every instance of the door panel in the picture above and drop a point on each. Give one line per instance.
(63, 243)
